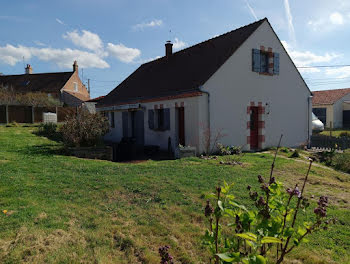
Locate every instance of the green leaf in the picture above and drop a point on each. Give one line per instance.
(220, 205)
(296, 242)
(288, 232)
(301, 231)
(211, 195)
(229, 257)
(271, 240)
(260, 260)
(247, 236)
(238, 205)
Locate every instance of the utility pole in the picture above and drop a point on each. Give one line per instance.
(89, 86)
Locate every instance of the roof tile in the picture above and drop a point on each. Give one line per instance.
(327, 97)
(183, 72)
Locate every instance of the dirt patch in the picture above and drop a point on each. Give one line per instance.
(335, 189)
(35, 246)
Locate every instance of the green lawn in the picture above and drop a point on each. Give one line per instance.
(69, 210)
(335, 132)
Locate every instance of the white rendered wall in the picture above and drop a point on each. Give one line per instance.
(195, 115)
(235, 85)
(338, 108)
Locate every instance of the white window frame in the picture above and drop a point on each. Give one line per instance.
(75, 86)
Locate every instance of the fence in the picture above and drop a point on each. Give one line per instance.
(321, 141)
(32, 114)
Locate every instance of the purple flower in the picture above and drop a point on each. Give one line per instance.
(321, 210)
(296, 192)
(261, 201)
(166, 258)
(253, 195)
(208, 209)
(261, 179)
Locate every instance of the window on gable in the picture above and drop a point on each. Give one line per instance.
(264, 62)
(75, 86)
(260, 62)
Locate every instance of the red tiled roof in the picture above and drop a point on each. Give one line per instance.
(328, 96)
(97, 99)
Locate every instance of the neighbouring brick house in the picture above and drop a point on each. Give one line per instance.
(64, 86)
(242, 83)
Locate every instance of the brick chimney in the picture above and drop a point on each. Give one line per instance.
(29, 69)
(168, 48)
(75, 66)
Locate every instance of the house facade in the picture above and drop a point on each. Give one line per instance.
(332, 107)
(63, 86)
(240, 88)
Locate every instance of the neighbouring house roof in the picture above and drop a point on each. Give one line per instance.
(97, 99)
(328, 97)
(39, 82)
(183, 72)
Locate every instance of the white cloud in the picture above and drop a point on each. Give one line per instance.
(308, 58)
(328, 22)
(179, 44)
(11, 55)
(39, 43)
(122, 52)
(341, 73)
(336, 18)
(60, 21)
(153, 23)
(290, 21)
(251, 9)
(86, 40)
(62, 57)
(65, 57)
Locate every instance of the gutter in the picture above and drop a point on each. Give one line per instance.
(308, 120)
(207, 93)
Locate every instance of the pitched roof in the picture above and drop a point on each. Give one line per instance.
(184, 71)
(97, 99)
(39, 82)
(329, 96)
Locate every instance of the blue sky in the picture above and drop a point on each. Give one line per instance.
(111, 38)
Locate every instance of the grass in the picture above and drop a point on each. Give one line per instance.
(69, 210)
(334, 132)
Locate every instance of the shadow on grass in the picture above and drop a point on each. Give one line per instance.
(56, 136)
(45, 150)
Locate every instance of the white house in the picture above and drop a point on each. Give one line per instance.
(242, 85)
(332, 107)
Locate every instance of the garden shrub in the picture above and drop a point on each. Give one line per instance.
(295, 154)
(47, 129)
(229, 150)
(341, 161)
(344, 134)
(84, 129)
(271, 227)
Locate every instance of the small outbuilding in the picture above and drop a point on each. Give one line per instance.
(332, 107)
